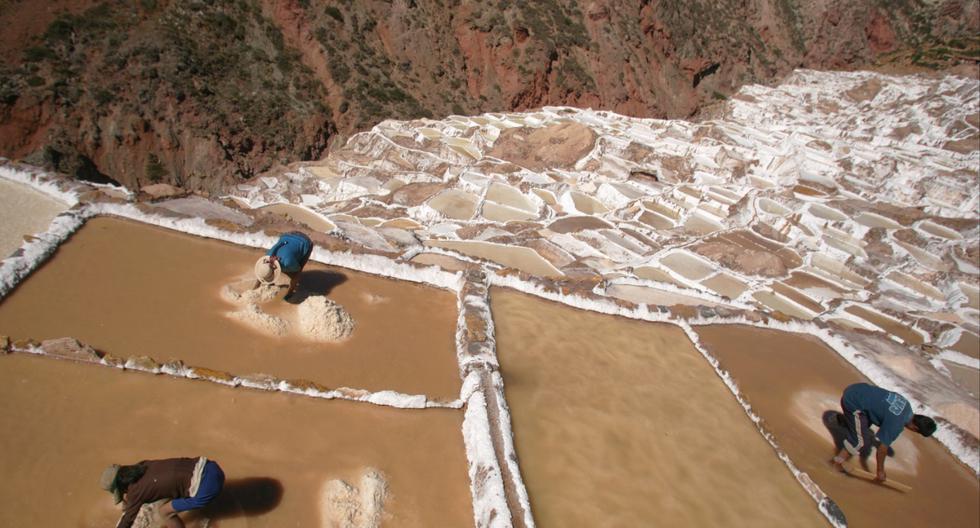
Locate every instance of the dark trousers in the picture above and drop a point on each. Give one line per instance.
(859, 437)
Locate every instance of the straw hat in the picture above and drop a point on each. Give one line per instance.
(267, 271)
(108, 482)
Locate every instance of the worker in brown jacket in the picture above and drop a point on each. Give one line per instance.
(188, 483)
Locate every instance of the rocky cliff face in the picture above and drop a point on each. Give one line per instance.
(203, 93)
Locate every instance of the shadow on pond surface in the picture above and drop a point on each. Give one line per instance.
(244, 497)
(316, 282)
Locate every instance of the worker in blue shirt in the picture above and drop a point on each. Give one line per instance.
(290, 254)
(865, 404)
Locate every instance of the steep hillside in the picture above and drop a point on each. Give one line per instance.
(204, 93)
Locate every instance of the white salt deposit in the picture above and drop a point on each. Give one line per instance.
(324, 320)
(343, 505)
(149, 515)
(242, 292)
(23, 211)
(253, 317)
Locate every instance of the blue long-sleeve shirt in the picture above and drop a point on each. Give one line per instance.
(890, 411)
(293, 251)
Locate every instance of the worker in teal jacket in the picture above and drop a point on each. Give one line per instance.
(290, 254)
(865, 404)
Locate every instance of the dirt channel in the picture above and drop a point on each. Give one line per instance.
(791, 380)
(623, 423)
(131, 289)
(64, 422)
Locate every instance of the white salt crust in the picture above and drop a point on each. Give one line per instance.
(321, 319)
(343, 505)
(490, 508)
(253, 317)
(178, 370)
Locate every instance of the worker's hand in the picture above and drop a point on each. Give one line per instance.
(881, 475)
(838, 464)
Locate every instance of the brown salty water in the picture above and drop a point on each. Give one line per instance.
(790, 380)
(131, 289)
(623, 423)
(64, 422)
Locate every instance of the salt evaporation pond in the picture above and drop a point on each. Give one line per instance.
(791, 380)
(623, 423)
(64, 422)
(131, 289)
(25, 212)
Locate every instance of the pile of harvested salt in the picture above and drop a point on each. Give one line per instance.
(344, 506)
(241, 292)
(324, 320)
(149, 515)
(254, 317)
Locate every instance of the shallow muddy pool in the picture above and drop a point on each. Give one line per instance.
(623, 423)
(791, 380)
(131, 289)
(64, 422)
(23, 211)
(301, 215)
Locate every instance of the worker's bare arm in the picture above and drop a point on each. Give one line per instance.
(880, 456)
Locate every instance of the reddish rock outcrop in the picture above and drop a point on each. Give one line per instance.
(203, 95)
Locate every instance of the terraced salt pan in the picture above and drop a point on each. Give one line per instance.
(790, 380)
(657, 274)
(702, 224)
(772, 207)
(966, 377)
(968, 344)
(916, 285)
(812, 283)
(937, 230)
(654, 296)
(200, 207)
(572, 224)
(726, 285)
(302, 215)
(875, 220)
(506, 195)
(455, 204)
(923, 257)
(644, 440)
(837, 270)
(783, 305)
(503, 213)
(656, 220)
(278, 451)
(583, 203)
(826, 213)
(887, 324)
(23, 211)
(158, 295)
(517, 257)
(972, 293)
(687, 265)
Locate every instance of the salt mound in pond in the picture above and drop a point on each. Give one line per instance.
(241, 292)
(254, 317)
(149, 515)
(345, 506)
(324, 320)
